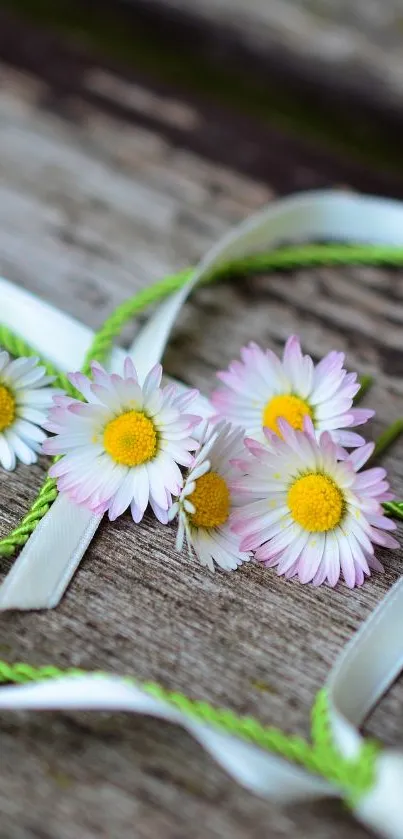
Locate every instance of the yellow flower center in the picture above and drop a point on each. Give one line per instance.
(131, 439)
(7, 408)
(316, 502)
(289, 407)
(211, 500)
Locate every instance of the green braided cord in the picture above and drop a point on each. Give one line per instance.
(20, 535)
(283, 259)
(288, 258)
(394, 508)
(113, 325)
(353, 777)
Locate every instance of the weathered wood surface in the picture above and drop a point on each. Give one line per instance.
(194, 74)
(354, 45)
(91, 209)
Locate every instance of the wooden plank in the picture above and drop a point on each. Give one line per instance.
(223, 62)
(352, 46)
(93, 207)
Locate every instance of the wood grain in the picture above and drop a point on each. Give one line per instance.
(93, 207)
(352, 46)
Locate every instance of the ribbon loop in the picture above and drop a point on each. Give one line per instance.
(382, 807)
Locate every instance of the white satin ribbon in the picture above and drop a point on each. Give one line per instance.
(311, 216)
(250, 766)
(364, 670)
(367, 667)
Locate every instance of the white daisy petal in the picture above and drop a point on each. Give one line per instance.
(36, 378)
(35, 416)
(207, 501)
(298, 368)
(7, 454)
(351, 525)
(116, 451)
(290, 557)
(223, 552)
(190, 486)
(137, 513)
(29, 431)
(24, 453)
(111, 484)
(128, 393)
(4, 359)
(84, 385)
(88, 487)
(152, 380)
(178, 453)
(108, 476)
(20, 367)
(278, 522)
(36, 398)
(122, 498)
(100, 376)
(358, 555)
(329, 516)
(347, 561)
(130, 371)
(260, 389)
(153, 404)
(157, 484)
(24, 399)
(173, 511)
(311, 558)
(200, 470)
(108, 397)
(172, 475)
(202, 549)
(160, 513)
(180, 536)
(62, 443)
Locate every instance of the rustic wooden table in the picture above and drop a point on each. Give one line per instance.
(106, 184)
(352, 45)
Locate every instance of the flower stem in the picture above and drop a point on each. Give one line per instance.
(388, 437)
(366, 383)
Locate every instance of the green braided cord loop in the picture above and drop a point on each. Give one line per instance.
(321, 757)
(113, 325)
(283, 259)
(288, 258)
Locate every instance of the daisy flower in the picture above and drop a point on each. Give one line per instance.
(207, 500)
(309, 513)
(123, 445)
(260, 389)
(24, 401)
